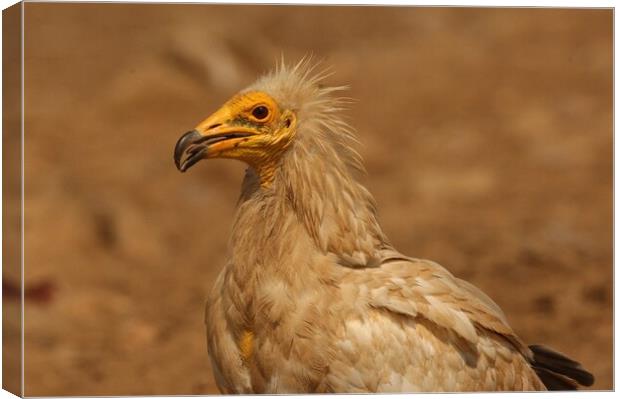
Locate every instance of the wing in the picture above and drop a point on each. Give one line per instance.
(427, 331)
(416, 287)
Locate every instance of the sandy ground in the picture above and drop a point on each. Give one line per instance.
(487, 136)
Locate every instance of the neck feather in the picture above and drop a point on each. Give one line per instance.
(314, 181)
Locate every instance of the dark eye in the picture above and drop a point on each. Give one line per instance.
(260, 112)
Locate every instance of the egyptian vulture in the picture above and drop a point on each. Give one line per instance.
(313, 297)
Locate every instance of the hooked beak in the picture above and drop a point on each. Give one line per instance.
(183, 144)
(194, 146)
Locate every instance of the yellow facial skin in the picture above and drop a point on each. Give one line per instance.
(250, 127)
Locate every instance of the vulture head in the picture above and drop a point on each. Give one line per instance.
(287, 107)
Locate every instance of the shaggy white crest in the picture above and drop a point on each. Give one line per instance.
(318, 108)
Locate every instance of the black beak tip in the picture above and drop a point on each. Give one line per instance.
(179, 149)
(176, 162)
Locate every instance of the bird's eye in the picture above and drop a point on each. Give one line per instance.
(261, 112)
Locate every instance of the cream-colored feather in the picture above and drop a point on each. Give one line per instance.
(315, 299)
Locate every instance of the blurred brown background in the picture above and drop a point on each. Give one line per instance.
(487, 136)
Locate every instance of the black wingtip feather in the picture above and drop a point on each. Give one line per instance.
(557, 371)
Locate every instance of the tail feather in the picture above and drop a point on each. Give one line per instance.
(558, 372)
